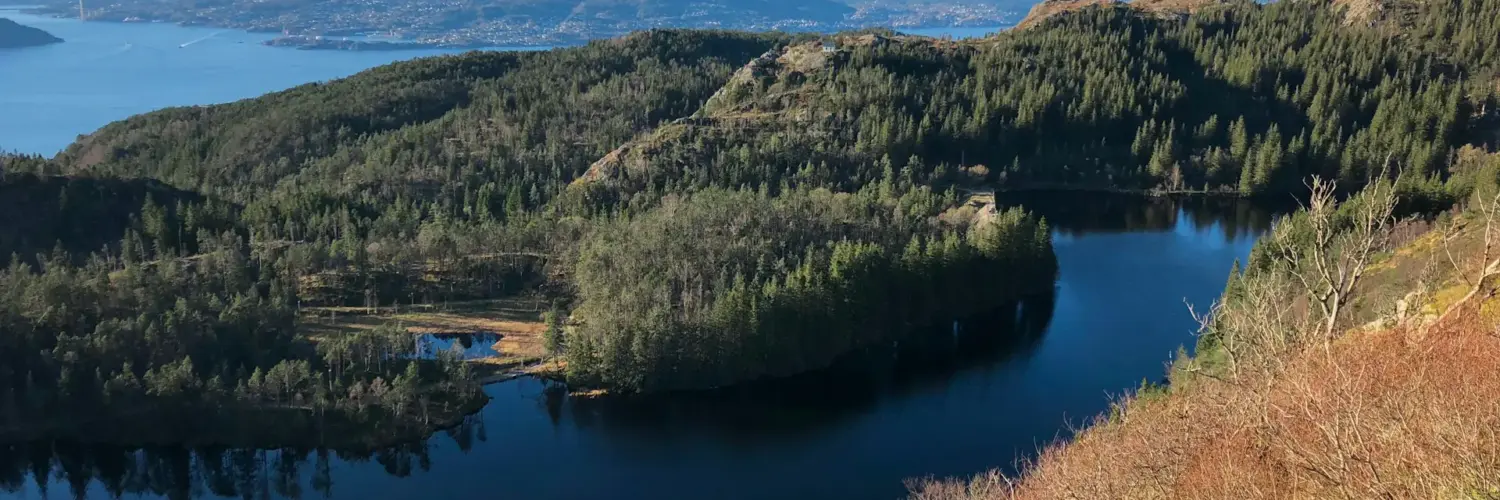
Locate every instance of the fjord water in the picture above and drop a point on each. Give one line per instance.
(1006, 384)
(104, 72)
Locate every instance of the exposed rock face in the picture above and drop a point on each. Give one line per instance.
(1360, 11)
(14, 35)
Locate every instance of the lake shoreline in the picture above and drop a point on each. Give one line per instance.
(259, 427)
(1127, 263)
(1150, 193)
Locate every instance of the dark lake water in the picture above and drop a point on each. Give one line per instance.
(1004, 385)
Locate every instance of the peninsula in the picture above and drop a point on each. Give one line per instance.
(15, 36)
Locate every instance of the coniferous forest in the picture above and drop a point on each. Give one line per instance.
(705, 208)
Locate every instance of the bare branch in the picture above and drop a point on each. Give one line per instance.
(1488, 269)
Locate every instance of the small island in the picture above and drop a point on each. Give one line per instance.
(14, 36)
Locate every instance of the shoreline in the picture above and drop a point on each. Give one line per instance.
(232, 427)
(1152, 193)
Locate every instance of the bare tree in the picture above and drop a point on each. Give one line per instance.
(1331, 261)
(1480, 281)
(1252, 324)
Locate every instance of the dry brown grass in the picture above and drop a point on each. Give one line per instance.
(518, 321)
(1406, 412)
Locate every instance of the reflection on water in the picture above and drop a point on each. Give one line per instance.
(1006, 384)
(90, 471)
(1093, 213)
(467, 345)
(792, 407)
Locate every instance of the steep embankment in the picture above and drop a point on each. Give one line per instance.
(1400, 403)
(14, 35)
(1405, 412)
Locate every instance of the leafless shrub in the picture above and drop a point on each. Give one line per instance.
(1480, 273)
(1330, 262)
(1384, 417)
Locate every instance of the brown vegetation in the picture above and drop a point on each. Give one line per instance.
(1390, 414)
(517, 320)
(1274, 407)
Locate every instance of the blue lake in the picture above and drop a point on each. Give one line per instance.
(1010, 383)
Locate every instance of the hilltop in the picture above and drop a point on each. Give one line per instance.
(14, 35)
(1354, 11)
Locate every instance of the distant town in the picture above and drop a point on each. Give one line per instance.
(396, 24)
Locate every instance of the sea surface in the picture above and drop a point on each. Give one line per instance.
(955, 33)
(105, 71)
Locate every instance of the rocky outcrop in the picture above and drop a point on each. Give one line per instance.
(1040, 12)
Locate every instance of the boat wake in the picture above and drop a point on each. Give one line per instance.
(211, 35)
(127, 47)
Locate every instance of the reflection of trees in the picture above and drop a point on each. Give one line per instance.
(181, 473)
(787, 408)
(1077, 213)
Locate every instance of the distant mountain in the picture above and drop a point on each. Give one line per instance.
(14, 35)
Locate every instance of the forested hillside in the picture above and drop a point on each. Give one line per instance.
(80, 216)
(1238, 97)
(719, 286)
(702, 208)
